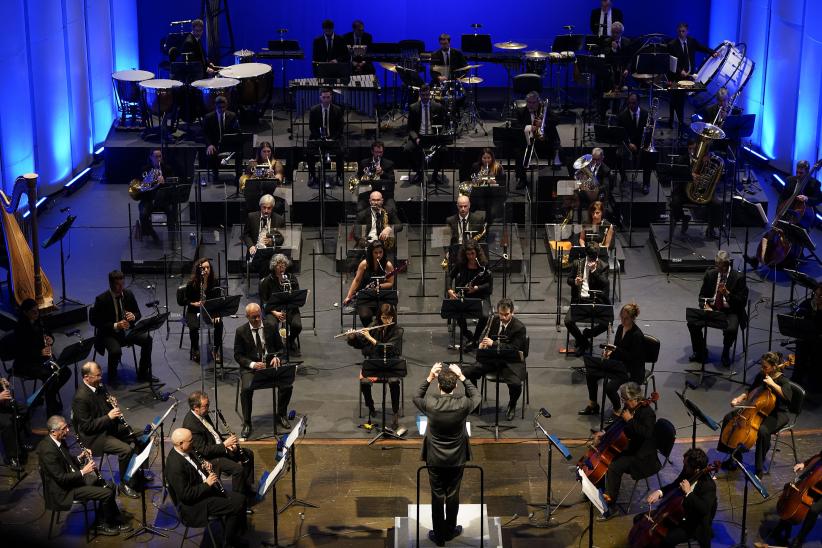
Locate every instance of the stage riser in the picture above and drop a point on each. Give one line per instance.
(693, 256)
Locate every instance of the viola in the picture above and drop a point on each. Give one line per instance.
(650, 529)
(614, 441)
(743, 428)
(798, 495)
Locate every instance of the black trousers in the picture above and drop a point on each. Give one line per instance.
(617, 376)
(231, 506)
(242, 475)
(445, 498)
(193, 324)
(678, 535)
(393, 388)
(543, 149)
(769, 426)
(476, 371)
(579, 336)
(679, 200)
(728, 336)
(462, 323)
(294, 320)
(51, 392)
(282, 378)
(114, 348)
(641, 161)
(119, 448)
(149, 204)
(107, 497)
(613, 478)
(7, 434)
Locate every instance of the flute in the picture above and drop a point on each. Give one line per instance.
(363, 330)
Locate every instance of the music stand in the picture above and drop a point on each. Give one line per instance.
(703, 318)
(268, 480)
(175, 194)
(220, 307)
(749, 213)
(74, 354)
(287, 301)
(332, 73)
(509, 139)
(239, 144)
(134, 465)
(149, 325)
(553, 441)
(324, 145)
(290, 453)
(500, 357)
(461, 309)
(609, 369)
(753, 480)
(696, 414)
(797, 234)
(595, 500)
(384, 369)
(57, 236)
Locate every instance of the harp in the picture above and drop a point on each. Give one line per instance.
(27, 277)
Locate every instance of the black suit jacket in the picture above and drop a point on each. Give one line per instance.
(188, 488)
(197, 51)
(415, 118)
(446, 442)
(321, 54)
(366, 38)
(812, 191)
(61, 473)
(385, 184)
(364, 218)
(336, 121)
(103, 314)
(202, 439)
(251, 231)
(597, 281)
(633, 131)
(476, 223)
(523, 118)
(89, 412)
(245, 351)
(616, 15)
(684, 61)
(736, 285)
(211, 127)
(456, 60)
(641, 443)
(630, 350)
(515, 339)
(700, 507)
(391, 335)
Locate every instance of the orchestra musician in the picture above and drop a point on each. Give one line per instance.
(679, 198)
(470, 272)
(684, 48)
(601, 230)
(710, 112)
(326, 121)
(100, 425)
(624, 362)
(770, 377)
(446, 56)
(279, 281)
(617, 58)
(156, 171)
(634, 119)
(808, 367)
(115, 311)
(505, 332)
(810, 197)
(422, 117)
(260, 233)
(329, 47)
(225, 455)
(34, 355)
(202, 283)
(382, 170)
(601, 175)
(602, 19)
(466, 224)
(273, 176)
(374, 269)
(589, 285)
(66, 479)
(373, 218)
(196, 488)
(723, 289)
(13, 413)
(216, 125)
(783, 529)
(640, 457)
(487, 171)
(529, 118)
(446, 446)
(358, 37)
(699, 504)
(385, 341)
(256, 348)
(193, 45)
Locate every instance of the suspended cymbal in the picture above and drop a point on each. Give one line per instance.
(536, 54)
(467, 67)
(391, 67)
(510, 45)
(442, 69)
(471, 80)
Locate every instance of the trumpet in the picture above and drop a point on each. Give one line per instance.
(206, 468)
(86, 457)
(112, 401)
(363, 330)
(241, 452)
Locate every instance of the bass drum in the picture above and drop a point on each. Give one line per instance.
(730, 69)
(209, 89)
(256, 80)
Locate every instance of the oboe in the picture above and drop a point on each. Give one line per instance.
(86, 457)
(205, 466)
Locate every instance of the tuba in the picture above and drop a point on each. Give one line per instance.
(584, 175)
(707, 166)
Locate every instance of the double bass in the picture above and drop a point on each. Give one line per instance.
(614, 441)
(650, 529)
(798, 495)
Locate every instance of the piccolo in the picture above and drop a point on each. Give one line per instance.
(363, 330)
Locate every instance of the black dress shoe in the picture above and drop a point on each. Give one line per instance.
(129, 492)
(245, 432)
(726, 360)
(435, 539)
(510, 413)
(125, 528)
(282, 421)
(147, 378)
(108, 530)
(194, 356)
(469, 346)
(457, 532)
(589, 410)
(697, 358)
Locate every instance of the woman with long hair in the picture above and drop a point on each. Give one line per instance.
(372, 268)
(471, 277)
(202, 284)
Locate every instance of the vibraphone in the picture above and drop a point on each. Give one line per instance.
(360, 93)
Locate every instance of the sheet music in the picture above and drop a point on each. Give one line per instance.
(270, 477)
(422, 425)
(294, 434)
(592, 493)
(137, 460)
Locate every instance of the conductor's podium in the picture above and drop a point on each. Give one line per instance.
(469, 517)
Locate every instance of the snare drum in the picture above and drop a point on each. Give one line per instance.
(243, 56)
(126, 84)
(452, 90)
(160, 96)
(730, 69)
(209, 89)
(255, 79)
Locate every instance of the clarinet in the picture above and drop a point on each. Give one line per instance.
(87, 457)
(241, 452)
(201, 464)
(112, 401)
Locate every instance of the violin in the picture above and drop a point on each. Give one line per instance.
(614, 441)
(798, 495)
(743, 428)
(650, 529)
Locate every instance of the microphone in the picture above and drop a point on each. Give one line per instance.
(152, 303)
(544, 412)
(64, 209)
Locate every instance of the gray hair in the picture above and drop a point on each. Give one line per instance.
(279, 258)
(617, 26)
(55, 423)
(597, 153)
(722, 257)
(266, 199)
(630, 391)
(532, 95)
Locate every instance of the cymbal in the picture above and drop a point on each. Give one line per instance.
(642, 76)
(535, 54)
(510, 45)
(391, 67)
(467, 67)
(471, 80)
(439, 68)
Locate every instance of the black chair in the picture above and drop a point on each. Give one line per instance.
(55, 512)
(651, 353)
(205, 522)
(99, 348)
(524, 84)
(402, 394)
(492, 377)
(795, 408)
(664, 436)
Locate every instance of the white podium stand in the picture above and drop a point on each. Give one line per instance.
(469, 517)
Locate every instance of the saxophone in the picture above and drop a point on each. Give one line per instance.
(708, 167)
(647, 144)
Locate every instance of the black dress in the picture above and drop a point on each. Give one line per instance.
(193, 315)
(388, 335)
(462, 276)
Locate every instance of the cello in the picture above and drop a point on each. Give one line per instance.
(650, 529)
(798, 495)
(599, 457)
(743, 428)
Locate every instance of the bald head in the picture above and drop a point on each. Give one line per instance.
(375, 199)
(463, 205)
(180, 437)
(92, 374)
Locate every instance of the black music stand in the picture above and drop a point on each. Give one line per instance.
(553, 441)
(797, 234)
(268, 480)
(287, 301)
(490, 198)
(324, 145)
(57, 236)
(609, 370)
(384, 369)
(74, 354)
(221, 307)
(750, 213)
(332, 73)
(461, 309)
(753, 480)
(696, 414)
(703, 318)
(501, 358)
(175, 194)
(435, 142)
(509, 140)
(149, 325)
(241, 144)
(567, 42)
(134, 465)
